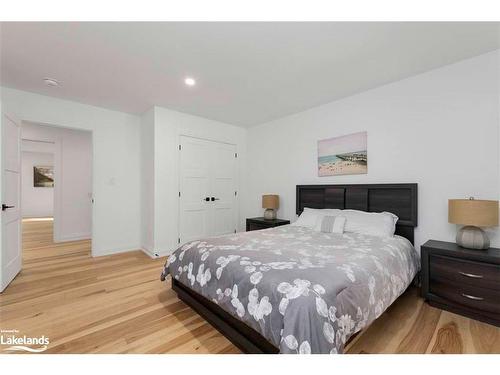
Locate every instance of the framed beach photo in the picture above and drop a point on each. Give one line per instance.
(343, 155)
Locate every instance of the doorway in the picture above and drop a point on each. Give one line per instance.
(54, 193)
(57, 179)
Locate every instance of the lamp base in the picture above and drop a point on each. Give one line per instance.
(472, 237)
(269, 214)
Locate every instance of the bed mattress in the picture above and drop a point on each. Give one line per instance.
(304, 291)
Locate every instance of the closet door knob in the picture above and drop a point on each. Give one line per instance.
(215, 199)
(207, 199)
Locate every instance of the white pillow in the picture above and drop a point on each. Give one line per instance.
(382, 224)
(330, 224)
(309, 216)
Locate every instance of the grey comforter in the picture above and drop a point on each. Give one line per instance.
(305, 291)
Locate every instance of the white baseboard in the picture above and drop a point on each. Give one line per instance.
(149, 253)
(73, 237)
(118, 250)
(37, 216)
(154, 254)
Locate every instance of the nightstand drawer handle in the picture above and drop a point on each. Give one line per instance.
(471, 275)
(472, 297)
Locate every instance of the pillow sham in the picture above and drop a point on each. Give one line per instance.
(309, 216)
(330, 224)
(382, 224)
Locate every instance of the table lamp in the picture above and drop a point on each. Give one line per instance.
(271, 203)
(473, 213)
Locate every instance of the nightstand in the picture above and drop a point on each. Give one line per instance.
(256, 223)
(463, 281)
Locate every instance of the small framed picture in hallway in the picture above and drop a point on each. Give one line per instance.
(43, 176)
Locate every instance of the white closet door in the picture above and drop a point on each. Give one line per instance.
(11, 261)
(207, 170)
(194, 184)
(223, 180)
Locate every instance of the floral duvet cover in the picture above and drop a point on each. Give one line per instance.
(305, 291)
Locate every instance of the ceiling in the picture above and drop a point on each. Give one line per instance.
(247, 73)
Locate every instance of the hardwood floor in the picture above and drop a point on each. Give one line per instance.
(117, 304)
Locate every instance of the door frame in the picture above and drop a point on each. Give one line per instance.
(58, 161)
(237, 177)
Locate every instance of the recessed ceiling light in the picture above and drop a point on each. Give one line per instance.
(189, 81)
(51, 82)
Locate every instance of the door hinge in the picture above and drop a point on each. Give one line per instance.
(180, 147)
(235, 231)
(235, 193)
(179, 240)
(179, 194)
(235, 154)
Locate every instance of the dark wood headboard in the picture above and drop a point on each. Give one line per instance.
(400, 199)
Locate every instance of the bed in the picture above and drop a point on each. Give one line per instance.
(291, 289)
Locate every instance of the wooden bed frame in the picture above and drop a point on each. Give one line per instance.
(400, 199)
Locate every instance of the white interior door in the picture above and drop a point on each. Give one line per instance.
(223, 188)
(207, 189)
(194, 185)
(11, 210)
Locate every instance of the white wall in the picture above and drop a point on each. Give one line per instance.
(73, 177)
(116, 222)
(439, 129)
(168, 127)
(35, 201)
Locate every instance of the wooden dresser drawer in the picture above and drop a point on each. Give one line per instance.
(475, 274)
(258, 223)
(256, 226)
(461, 280)
(482, 299)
